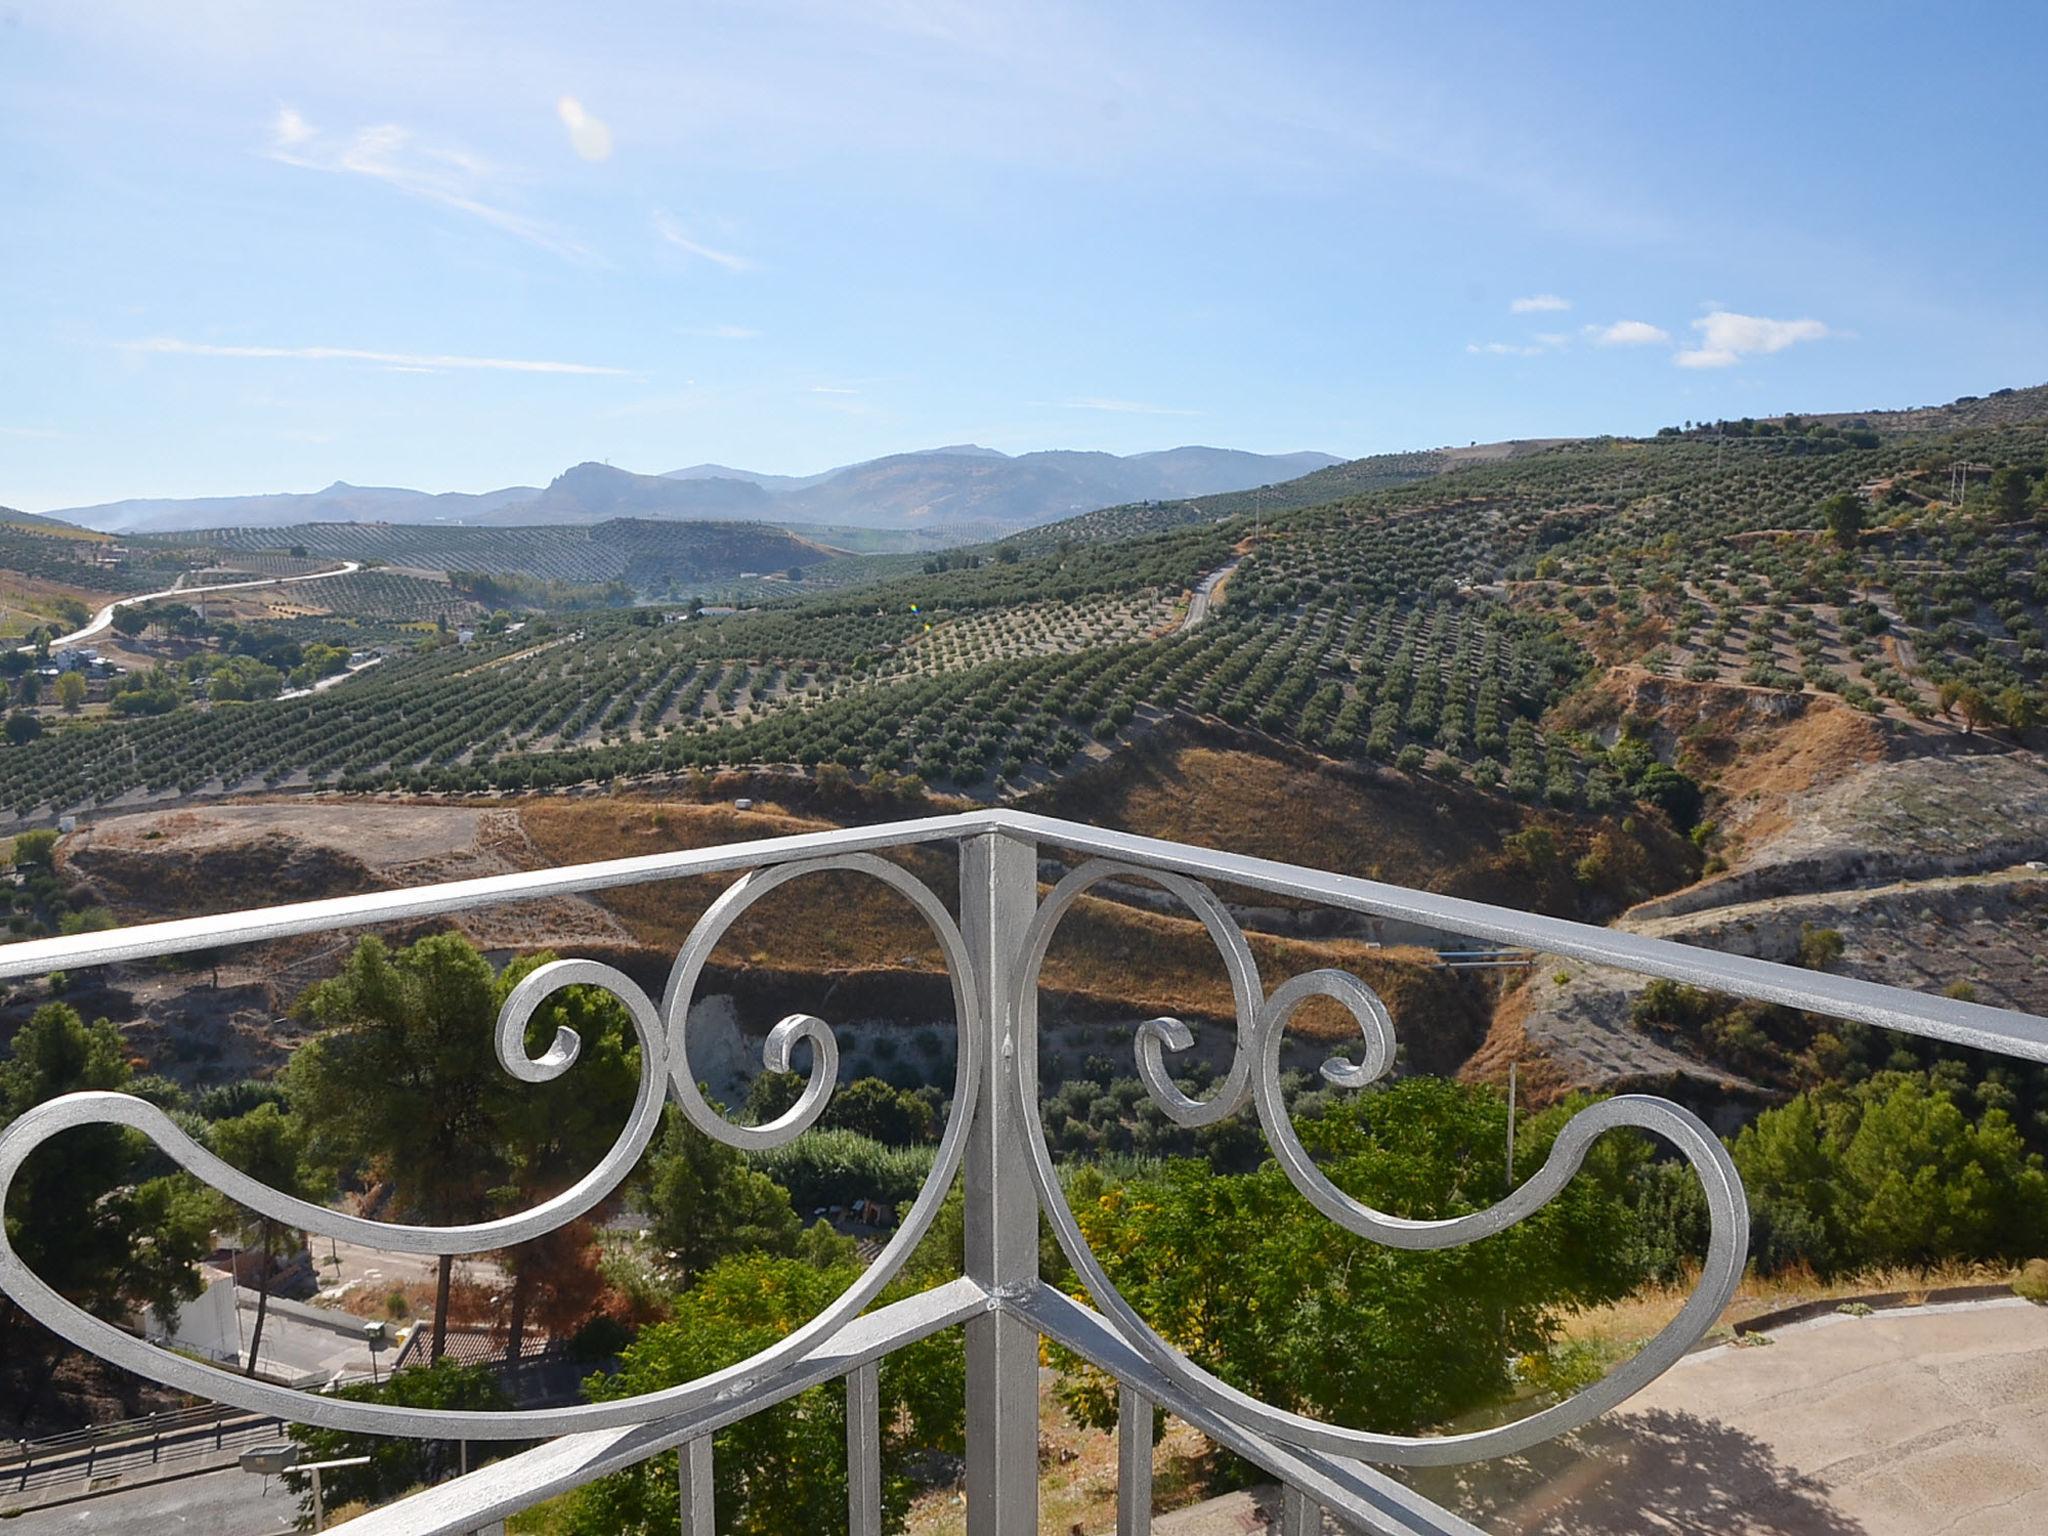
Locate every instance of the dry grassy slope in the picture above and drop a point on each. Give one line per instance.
(1279, 803)
(1106, 958)
(159, 864)
(26, 601)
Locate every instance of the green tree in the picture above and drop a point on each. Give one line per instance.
(2016, 709)
(705, 1203)
(78, 1214)
(406, 1081)
(130, 620)
(870, 1107)
(1976, 709)
(1842, 515)
(553, 1133)
(2010, 493)
(71, 691)
(1891, 1172)
(23, 727)
(35, 850)
(783, 1469)
(271, 1147)
(1254, 1283)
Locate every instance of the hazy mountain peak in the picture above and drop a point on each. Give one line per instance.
(962, 487)
(958, 451)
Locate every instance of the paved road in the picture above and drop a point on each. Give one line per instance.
(105, 616)
(230, 1503)
(1204, 595)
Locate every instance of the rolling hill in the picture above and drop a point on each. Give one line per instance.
(975, 491)
(653, 557)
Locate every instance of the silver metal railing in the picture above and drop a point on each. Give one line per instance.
(993, 951)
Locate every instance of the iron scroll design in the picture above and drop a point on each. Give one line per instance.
(1255, 1073)
(664, 1071)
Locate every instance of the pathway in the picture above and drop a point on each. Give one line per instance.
(1204, 597)
(105, 617)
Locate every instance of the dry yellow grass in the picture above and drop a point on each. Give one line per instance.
(1626, 1323)
(1077, 1478)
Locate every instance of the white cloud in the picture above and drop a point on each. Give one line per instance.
(290, 129)
(1629, 333)
(405, 362)
(1726, 338)
(590, 137)
(1545, 341)
(1122, 407)
(443, 174)
(832, 389)
(677, 236)
(1538, 304)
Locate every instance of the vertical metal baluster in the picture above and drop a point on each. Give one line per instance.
(1133, 1463)
(998, 893)
(864, 1451)
(1299, 1515)
(693, 1479)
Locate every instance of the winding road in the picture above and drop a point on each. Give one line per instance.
(105, 617)
(1204, 595)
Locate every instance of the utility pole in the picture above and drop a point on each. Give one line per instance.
(1511, 1125)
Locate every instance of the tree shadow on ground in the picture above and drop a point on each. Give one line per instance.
(1641, 1472)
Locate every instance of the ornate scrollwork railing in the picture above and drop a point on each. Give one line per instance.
(1255, 1073)
(664, 1071)
(993, 958)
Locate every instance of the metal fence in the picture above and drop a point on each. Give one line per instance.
(993, 950)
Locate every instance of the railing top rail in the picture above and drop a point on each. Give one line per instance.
(1977, 1025)
(143, 941)
(1950, 1020)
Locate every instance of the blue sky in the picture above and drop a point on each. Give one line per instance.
(261, 246)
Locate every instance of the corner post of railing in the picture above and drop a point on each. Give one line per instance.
(998, 895)
(695, 1486)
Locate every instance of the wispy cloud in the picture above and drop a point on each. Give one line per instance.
(410, 362)
(1629, 333)
(1122, 407)
(724, 332)
(1542, 342)
(393, 155)
(590, 137)
(673, 232)
(1538, 304)
(832, 389)
(1727, 338)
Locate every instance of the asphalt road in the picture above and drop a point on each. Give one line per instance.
(1204, 594)
(229, 1503)
(105, 616)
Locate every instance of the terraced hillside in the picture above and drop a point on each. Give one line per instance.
(1444, 627)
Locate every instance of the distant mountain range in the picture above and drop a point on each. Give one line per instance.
(965, 489)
